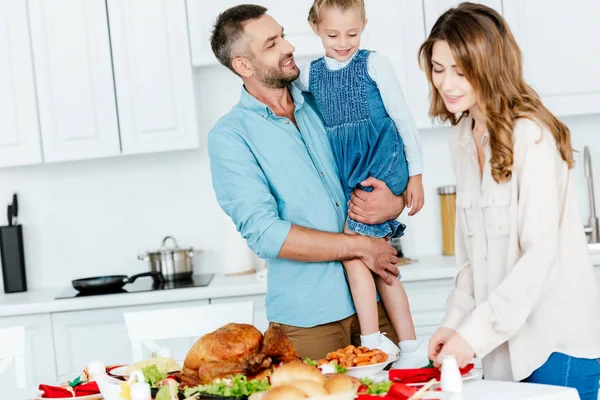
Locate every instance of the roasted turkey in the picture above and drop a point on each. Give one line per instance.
(236, 349)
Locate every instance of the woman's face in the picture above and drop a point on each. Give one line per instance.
(448, 79)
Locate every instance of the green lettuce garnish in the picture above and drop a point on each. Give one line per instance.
(338, 368)
(375, 388)
(152, 375)
(236, 386)
(168, 391)
(310, 362)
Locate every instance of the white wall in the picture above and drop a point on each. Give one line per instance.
(93, 217)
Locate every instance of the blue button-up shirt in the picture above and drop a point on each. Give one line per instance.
(268, 175)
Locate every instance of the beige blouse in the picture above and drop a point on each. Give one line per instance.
(525, 285)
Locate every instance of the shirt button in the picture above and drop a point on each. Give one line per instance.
(287, 121)
(337, 204)
(322, 174)
(264, 116)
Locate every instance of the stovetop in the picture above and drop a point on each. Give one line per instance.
(145, 284)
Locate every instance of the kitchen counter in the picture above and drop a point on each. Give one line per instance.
(42, 300)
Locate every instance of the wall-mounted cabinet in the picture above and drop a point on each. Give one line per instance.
(19, 128)
(105, 77)
(561, 52)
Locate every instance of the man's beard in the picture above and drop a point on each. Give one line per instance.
(273, 77)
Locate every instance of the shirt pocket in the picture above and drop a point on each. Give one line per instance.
(496, 211)
(464, 208)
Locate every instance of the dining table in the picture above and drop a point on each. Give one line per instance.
(472, 390)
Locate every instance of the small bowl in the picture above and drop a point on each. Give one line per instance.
(366, 371)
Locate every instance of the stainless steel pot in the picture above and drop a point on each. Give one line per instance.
(173, 263)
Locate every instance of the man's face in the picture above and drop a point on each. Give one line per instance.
(271, 56)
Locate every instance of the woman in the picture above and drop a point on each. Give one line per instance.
(525, 297)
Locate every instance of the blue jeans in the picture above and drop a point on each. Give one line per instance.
(582, 374)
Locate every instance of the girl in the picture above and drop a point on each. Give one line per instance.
(372, 134)
(525, 298)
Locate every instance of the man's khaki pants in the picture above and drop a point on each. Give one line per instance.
(319, 340)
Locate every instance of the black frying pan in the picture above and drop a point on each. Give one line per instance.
(108, 283)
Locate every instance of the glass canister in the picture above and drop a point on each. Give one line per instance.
(448, 215)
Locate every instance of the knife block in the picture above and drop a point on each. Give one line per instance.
(12, 256)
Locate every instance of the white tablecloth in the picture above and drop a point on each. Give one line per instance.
(496, 390)
(473, 390)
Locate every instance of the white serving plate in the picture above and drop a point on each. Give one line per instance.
(370, 370)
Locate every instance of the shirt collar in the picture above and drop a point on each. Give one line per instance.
(252, 103)
(466, 133)
(334, 64)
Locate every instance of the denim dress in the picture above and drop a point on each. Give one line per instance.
(363, 137)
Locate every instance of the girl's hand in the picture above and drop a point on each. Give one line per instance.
(459, 348)
(415, 195)
(374, 207)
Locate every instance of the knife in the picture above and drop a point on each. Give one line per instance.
(9, 214)
(15, 209)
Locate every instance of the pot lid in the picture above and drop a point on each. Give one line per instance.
(166, 249)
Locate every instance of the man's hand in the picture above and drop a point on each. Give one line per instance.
(437, 341)
(380, 257)
(415, 195)
(459, 348)
(374, 207)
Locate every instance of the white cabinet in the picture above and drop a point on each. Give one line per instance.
(260, 312)
(82, 336)
(19, 129)
(39, 348)
(153, 75)
(75, 87)
(427, 301)
(561, 51)
(292, 15)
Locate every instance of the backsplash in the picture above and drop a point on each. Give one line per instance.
(94, 217)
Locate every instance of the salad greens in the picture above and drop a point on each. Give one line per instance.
(168, 391)
(375, 388)
(152, 375)
(236, 386)
(338, 368)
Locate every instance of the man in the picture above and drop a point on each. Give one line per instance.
(274, 174)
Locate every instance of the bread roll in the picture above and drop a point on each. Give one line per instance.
(339, 383)
(296, 371)
(284, 392)
(310, 388)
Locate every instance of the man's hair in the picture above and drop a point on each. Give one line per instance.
(229, 29)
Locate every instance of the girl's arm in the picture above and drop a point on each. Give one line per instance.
(537, 167)
(383, 74)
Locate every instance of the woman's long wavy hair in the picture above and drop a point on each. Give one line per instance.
(489, 57)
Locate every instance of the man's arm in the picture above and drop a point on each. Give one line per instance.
(243, 192)
(309, 245)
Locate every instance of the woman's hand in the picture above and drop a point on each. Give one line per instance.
(459, 348)
(437, 341)
(377, 206)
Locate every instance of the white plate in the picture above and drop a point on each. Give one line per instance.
(122, 371)
(90, 397)
(370, 370)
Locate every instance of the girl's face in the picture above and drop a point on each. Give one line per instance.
(448, 79)
(340, 31)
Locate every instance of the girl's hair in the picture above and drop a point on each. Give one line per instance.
(489, 57)
(314, 15)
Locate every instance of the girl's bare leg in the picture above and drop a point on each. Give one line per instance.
(362, 287)
(396, 304)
